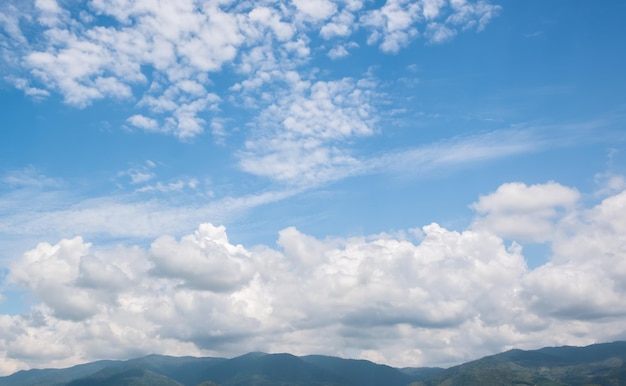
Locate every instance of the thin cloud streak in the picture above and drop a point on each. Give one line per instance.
(132, 216)
(490, 146)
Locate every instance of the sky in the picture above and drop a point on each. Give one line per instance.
(417, 183)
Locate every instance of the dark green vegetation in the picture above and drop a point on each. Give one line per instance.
(601, 364)
(254, 369)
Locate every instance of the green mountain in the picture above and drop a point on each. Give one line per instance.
(360, 372)
(253, 369)
(600, 364)
(125, 376)
(55, 377)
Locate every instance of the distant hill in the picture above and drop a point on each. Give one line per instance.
(253, 369)
(600, 364)
(56, 377)
(125, 376)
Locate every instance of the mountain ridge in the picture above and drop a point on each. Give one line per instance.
(598, 364)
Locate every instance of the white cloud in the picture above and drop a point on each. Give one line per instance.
(316, 9)
(49, 271)
(10, 17)
(175, 186)
(24, 85)
(141, 173)
(86, 63)
(180, 106)
(340, 51)
(609, 183)
(341, 25)
(439, 33)
(29, 177)
(50, 14)
(182, 46)
(459, 152)
(264, 17)
(393, 24)
(585, 279)
(149, 207)
(143, 122)
(524, 212)
(432, 8)
(300, 135)
(455, 295)
(469, 15)
(204, 260)
(145, 205)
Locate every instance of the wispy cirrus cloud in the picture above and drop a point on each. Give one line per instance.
(148, 205)
(28, 177)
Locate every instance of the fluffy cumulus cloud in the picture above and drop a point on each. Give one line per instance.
(524, 212)
(428, 296)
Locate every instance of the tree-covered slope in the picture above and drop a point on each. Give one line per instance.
(601, 364)
(125, 376)
(54, 377)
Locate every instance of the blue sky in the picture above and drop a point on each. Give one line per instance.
(331, 140)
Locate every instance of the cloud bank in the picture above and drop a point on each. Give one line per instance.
(426, 296)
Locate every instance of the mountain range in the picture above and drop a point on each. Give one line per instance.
(600, 364)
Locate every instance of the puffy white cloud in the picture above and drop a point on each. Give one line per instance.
(432, 8)
(143, 122)
(338, 52)
(393, 24)
(86, 62)
(49, 271)
(265, 17)
(445, 298)
(586, 276)
(316, 9)
(529, 213)
(341, 25)
(50, 14)
(204, 260)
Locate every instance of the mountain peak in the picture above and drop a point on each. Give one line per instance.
(603, 364)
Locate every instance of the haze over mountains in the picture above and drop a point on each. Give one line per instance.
(599, 364)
